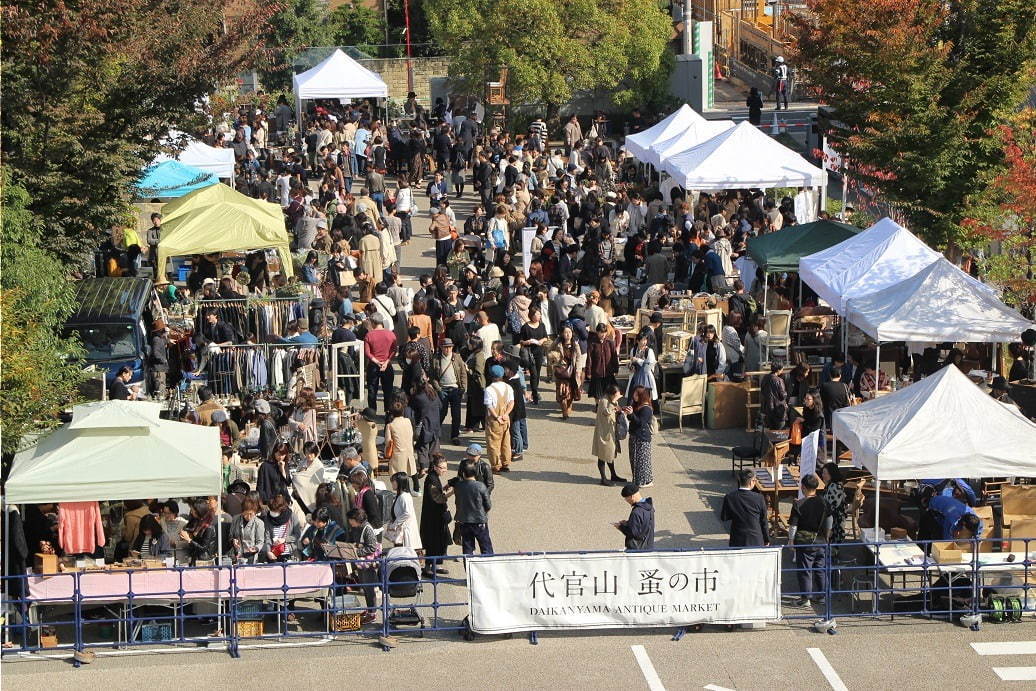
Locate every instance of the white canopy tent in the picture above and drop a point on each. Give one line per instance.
(939, 303)
(338, 76)
(742, 157)
(943, 426)
(219, 162)
(639, 144)
(692, 136)
(117, 450)
(881, 256)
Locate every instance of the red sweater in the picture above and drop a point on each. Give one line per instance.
(380, 345)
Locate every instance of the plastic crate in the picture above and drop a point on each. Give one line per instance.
(153, 633)
(250, 611)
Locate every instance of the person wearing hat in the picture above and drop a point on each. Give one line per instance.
(999, 390)
(450, 378)
(158, 358)
(639, 528)
(499, 400)
(473, 459)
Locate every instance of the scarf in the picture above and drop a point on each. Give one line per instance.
(278, 520)
(202, 525)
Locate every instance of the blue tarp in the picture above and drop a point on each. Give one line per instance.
(172, 179)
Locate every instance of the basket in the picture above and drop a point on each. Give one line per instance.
(153, 633)
(346, 621)
(248, 629)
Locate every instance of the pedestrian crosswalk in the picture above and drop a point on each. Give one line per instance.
(1019, 673)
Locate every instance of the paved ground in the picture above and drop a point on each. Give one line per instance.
(551, 501)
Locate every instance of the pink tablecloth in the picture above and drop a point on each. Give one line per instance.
(200, 583)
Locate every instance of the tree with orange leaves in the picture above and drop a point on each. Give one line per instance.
(1006, 213)
(918, 88)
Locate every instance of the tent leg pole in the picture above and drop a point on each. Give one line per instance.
(879, 537)
(766, 287)
(800, 291)
(7, 565)
(877, 368)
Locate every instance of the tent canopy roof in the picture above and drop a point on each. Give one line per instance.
(115, 450)
(742, 157)
(172, 179)
(881, 256)
(941, 426)
(693, 135)
(219, 219)
(937, 304)
(781, 251)
(639, 144)
(219, 162)
(339, 76)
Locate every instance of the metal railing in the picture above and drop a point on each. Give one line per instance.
(229, 607)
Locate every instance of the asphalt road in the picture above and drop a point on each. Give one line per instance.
(552, 501)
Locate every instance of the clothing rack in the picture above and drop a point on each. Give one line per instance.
(262, 316)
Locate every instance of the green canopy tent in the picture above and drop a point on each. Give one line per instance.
(219, 219)
(781, 250)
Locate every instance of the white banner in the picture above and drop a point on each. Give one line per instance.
(808, 456)
(615, 590)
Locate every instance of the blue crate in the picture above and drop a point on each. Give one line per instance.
(154, 633)
(250, 610)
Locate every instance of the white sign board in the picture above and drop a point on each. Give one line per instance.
(623, 590)
(808, 456)
(528, 235)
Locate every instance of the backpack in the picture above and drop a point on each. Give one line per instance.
(386, 498)
(514, 320)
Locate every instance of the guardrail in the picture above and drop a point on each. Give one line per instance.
(230, 607)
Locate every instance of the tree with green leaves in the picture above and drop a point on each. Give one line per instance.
(353, 24)
(552, 50)
(38, 370)
(296, 25)
(98, 85)
(918, 88)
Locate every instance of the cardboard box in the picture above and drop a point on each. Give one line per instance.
(46, 564)
(1022, 528)
(1019, 502)
(947, 552)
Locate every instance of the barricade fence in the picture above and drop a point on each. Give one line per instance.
(231, 607)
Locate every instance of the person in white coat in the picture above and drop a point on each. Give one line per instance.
(403, 529)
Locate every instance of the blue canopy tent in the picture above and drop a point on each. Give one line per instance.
(170, 179)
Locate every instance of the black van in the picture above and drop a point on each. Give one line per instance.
(112, 320)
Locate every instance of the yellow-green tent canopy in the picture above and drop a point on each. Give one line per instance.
(219, 219)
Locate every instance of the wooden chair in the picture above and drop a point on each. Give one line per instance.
(778, 331)
(691, 400)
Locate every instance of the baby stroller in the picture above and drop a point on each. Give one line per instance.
(404, 582)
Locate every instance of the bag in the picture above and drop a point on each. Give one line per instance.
(498, 236)
(564, 371)
(390, 448)
(514, 320)
(456, 534)
(526, 358)
(622, 427)
(386, 498)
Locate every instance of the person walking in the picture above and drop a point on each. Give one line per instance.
(746, 513)
(473, 506)
(532, 337)
(641, 429)
(435, 518)
(606, 439)
(450, 377)
(602, 362)
(639, 528)
(499, 400)
(399, 441)
(755, 106)
(808, 531)
(566, 356)
(519, 426)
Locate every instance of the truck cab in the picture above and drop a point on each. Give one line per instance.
(112, 319)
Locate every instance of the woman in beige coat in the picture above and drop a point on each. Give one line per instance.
(399, 442)
(606, 444)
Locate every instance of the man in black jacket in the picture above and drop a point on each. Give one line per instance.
(639, 528)
(746, 512)
(473, 505)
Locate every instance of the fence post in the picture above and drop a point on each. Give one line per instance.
(384, 578)
(77, 618)
(233, 638)
(974, 622)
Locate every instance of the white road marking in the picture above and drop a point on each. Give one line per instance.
(1016, 673)
(826, 669)
(646, 668)
(1006, 648)
(713, 687)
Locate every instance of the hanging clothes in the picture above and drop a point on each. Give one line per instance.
(80, 530)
